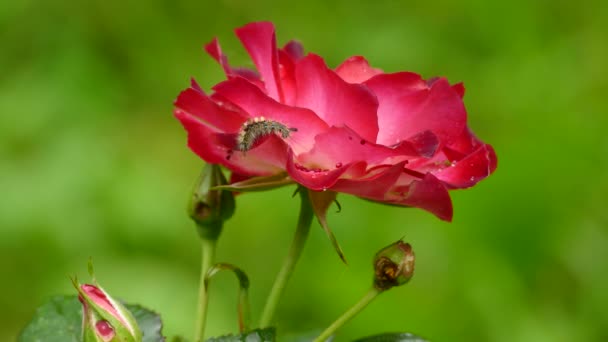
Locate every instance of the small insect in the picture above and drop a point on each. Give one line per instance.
(259, 127)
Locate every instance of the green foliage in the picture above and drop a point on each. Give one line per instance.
(60, 320)
(149, 323)
(258, 335)
(396, 337)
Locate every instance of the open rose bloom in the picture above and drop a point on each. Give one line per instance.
(388, 137)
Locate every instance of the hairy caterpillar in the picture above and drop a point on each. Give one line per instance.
(257, 128)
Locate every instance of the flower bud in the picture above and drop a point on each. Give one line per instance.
(105, 319)
(210, 207)
(393, 265)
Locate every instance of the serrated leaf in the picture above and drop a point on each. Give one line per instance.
(149, 323)
(60, 320)
(258, 335)
(258, 183)
(392, 337)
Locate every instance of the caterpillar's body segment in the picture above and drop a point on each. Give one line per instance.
(256, 128)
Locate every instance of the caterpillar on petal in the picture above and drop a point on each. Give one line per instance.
(256, 128)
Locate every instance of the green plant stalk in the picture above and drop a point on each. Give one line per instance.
(207, 261)
(352, 312)
(295, 250)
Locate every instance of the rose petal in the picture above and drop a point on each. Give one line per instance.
(196, 104)
(294, 49)
(428, 194)
(194, 85)
(374, 187)
(356, 69)
(459, 89)
(251, 100)
(287, 75)
(408, 106)
(260, 41)
(470, 170)
(266, 159)
(337, 102)
(318, 179)
(215, 51)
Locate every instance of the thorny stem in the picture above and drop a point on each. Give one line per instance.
(295, 250)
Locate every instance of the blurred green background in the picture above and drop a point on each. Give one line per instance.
(92, 163)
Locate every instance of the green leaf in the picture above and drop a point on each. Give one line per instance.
(258, 335)
(392, 337)
(320, 201)
(60, 320)
(258, 183)
(149, 323)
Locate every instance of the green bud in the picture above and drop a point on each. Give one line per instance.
(210, 207)
(104, 319)
(393, 265)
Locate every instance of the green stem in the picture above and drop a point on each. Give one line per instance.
(352, 312)
(207, 261)
(297, 245)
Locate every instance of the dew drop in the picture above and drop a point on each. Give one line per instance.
(362, 142)
(338, 165)
(324, 189)
(472, 179)
(104, 329)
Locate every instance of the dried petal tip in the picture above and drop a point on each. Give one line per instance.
(103, 318)
(210, 207)
(393, 265)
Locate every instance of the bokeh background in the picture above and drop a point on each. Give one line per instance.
(93, 164)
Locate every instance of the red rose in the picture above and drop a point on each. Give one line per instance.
(393, 138)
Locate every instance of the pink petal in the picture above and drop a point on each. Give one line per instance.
(470, 170)
(251, 100)
(268, 158)
(428, 194)
(341, 145)
(374, 187)
(356, 69)
(459, 89)
(294, 49)
(215, 51)
(260, 41)
(99, 297)
(408, 106)
(196, 104)
(334, 100)
(319, 179)
(194, 85)
(287, 75)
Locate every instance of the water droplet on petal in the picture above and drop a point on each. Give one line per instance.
(472, 179)
(338, 165)
(362, 142)
(324, 189)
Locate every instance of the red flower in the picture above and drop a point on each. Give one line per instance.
(393, 138)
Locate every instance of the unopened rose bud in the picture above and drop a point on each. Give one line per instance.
(393, 265)
(105, 319)
(210, 208)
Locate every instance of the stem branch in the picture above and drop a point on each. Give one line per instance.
(207, 261)
(295, 250)
(352, 312)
